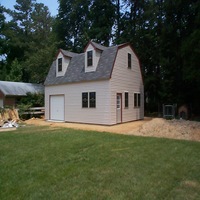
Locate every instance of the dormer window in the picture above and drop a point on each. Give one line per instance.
(59, 64)
(92, 55)
(90, 58)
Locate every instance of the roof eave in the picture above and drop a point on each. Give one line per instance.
(83, 81)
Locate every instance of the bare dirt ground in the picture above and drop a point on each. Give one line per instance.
(156, 127)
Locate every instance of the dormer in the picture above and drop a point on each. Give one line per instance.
(92, 55)
(63, 59)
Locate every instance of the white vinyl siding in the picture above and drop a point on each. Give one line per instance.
(73, 102)
(124, 79)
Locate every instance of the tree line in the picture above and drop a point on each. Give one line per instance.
(164, 33)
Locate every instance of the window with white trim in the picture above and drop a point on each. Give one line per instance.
(90, 58)
(137, 99)
(59, 64)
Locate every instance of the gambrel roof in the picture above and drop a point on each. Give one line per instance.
(76, 69)
(19, 88)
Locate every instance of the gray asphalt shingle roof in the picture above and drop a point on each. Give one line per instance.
(19, 89)
(68, 53)
(76, 69)
(98, 46)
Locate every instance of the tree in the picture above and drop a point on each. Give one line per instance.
(2, 24)
(189, 52)
(72, 24)
(30, 41)
(79, 21)
(102, 17)
(42, 22)
(17, 31)
(22, 14)
(180, 25)
(2, 44)
(15, 72)
(41, 49)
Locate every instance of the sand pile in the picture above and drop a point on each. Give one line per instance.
(179, 129)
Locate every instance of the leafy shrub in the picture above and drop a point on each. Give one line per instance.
(35, 100)
(22, 108)
(31, 100)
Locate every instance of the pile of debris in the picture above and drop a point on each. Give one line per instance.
(9, 118)
(9, 124)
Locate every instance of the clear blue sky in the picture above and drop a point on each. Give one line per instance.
(51, 4)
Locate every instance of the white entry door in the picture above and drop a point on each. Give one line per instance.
(57, 108)
(119, 108)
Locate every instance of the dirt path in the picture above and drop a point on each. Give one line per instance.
(120, 128)
(157, 127)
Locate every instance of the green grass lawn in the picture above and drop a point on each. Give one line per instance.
(43, 163)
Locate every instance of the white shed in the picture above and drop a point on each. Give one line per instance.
(102, 85)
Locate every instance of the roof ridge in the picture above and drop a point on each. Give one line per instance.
(98, 46)
(68, 53)
(17, 82)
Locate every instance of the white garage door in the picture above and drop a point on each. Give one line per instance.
(57, 108)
